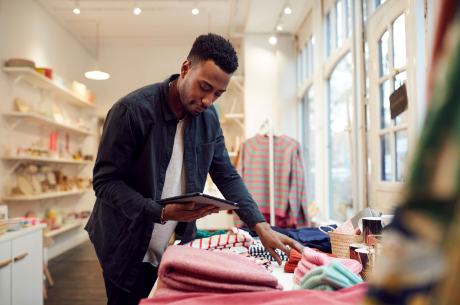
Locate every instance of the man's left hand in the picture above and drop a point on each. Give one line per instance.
(273, 240)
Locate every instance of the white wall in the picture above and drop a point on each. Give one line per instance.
(270, 84)
(28, 31)
(132, 67)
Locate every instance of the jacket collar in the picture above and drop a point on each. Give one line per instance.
(168, 113)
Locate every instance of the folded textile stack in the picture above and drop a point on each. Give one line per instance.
(312, 259)
(203, 234)
(235, 238)
(258, 250)
(185, 269)
(295, 257)
(348, 296)
(309, 237)
(331, 277)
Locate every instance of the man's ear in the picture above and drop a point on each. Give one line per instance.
(185, 68)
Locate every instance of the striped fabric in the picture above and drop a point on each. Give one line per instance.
(259, 251)
(235, 238)
(290, 190)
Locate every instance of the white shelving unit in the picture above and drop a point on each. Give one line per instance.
(65, 228)
(47, 160)
(34, 78)
(35, 119)
(48, 195)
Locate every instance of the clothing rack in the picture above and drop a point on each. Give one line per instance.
(267, 126)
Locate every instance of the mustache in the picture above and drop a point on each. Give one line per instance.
(201, 105)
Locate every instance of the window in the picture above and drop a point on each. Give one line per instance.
(310, 55)
(305, 63)
(340, 141)
(339, 23)
(309, 140)
(299, 69)
(348, 14)
(392, 74)
(328, 35)
(379, 2)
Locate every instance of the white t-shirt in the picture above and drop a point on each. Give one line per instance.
(174, 185)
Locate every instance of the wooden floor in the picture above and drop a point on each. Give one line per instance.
(77, 277)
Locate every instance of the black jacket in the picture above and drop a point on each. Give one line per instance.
(129, 174)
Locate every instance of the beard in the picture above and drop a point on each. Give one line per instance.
(189, 106)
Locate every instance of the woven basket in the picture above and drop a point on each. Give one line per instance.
(366, 275)
(341, 242)
(3, 226)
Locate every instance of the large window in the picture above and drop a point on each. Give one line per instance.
(338, 25)
(392, 74)
(309, 141)
(340, 141)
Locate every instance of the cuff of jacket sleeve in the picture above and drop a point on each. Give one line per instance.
(153, 212)
(250, 216)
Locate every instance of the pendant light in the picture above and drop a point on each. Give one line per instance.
(96, 74)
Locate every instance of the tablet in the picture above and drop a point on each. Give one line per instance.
(200, 201)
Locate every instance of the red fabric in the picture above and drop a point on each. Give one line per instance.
(295, 257)
(195, 270)
(348, 296)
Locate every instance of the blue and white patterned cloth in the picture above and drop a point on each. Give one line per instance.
(259, 251)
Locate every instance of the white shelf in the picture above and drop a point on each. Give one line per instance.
(234, 115)
(35, 119)
(66, 228)
(47, 160)
(44, 195)
(42, 82)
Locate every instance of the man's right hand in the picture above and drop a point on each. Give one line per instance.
(182, 212)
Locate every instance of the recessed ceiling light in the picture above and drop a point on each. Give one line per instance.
(272, 40)
(137, 11)
(279, 27)
(287, 10)
(195, 11)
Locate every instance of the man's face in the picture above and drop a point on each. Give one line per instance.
(202, 85)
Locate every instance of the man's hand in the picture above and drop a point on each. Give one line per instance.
(182, 212)
(272, 240)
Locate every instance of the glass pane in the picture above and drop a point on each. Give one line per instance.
(349, 18)
(379, 2)
(368, 149)
(385, 156)
(310, 45)
(299, 69)
(304, 63)
(385, 115)
(364, 10)
(399, 80)
(310, 143)
(383, 49)
(366, 60)
(339, 23)
(328, 35)
(340, 86)
(401, 154)
(399, 42)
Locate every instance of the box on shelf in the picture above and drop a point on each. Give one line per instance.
(79, 88)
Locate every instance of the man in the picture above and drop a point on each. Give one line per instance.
(162, 141)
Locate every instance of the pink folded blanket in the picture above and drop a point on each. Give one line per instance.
(347, 296)
(195, 270)
(312, 259)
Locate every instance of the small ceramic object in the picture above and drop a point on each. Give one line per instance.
(51, 178)
(21, 105)
(32, 169)
(45, 169)
(24, 185)
(36, 184)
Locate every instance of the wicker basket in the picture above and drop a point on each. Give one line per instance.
(341, 242)
(366, 275)
(3, 226)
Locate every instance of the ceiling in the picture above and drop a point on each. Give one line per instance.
(170, 22)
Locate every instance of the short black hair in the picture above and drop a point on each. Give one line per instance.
(216, 48)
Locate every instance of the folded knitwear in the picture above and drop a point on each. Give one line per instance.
(186, 269)
(309, 237)
(294, 259)
(203, 234)
(312, 259)
(235, 238)
(331, 277)
(348, 296)
(259, 251)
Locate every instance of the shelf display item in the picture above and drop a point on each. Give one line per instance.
(57, 115)
(32, 169)
(15, 224)
(3, 226)
(36, 184)
(21, 105)
(79, 88)
(20, 63)
(3, 212)
(24, 185)
(51, 177)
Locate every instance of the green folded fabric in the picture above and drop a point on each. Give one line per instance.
(331, 277)
(205, 234)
